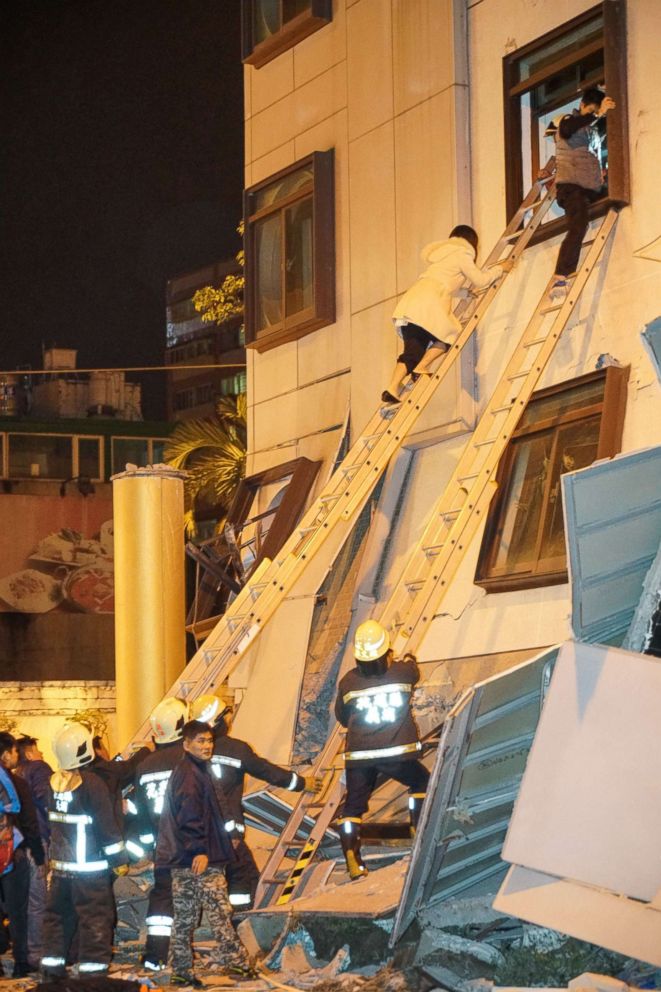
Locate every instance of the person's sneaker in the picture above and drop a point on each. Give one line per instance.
(240, 973)
(186, 981)
(387, 397)
(559, 290)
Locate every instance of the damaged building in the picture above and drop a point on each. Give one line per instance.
(503, 521)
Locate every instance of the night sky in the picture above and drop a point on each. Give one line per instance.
(122, 152)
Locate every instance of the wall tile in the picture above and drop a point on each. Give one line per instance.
(374, 349)
(323, 49)
(273, 127)
(369, 51)
(274, 372)
(269, 164)
(320, 98)
(272, 82)
(372, 209)
(423, 57)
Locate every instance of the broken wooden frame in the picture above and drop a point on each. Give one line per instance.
(220, 559)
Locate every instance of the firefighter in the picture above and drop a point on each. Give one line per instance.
(232, 760)
(85, 846)
(374, 704)
(167, 722)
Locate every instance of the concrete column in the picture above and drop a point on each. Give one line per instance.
(150, 645)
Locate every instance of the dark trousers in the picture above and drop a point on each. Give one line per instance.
(85, 902)
(361, 781)
(15, 894)
(575, 202)
(416, 341)
(242, 876)
(159, 919)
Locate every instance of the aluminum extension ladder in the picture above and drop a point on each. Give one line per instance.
(333, 511)
(428, 574)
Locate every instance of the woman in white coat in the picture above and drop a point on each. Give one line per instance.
(423, 317)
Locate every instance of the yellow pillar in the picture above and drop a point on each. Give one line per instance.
(150, 639)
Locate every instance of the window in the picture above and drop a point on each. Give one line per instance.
(270, 27)
(140, 451)
(40, 456)
(545, 79)
(290, 253)
(233, 385)
(563, 428)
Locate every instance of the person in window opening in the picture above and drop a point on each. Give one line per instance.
(423, 317)
(374, 704)
(579, 180)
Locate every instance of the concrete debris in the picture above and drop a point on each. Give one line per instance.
(449, 981)
(436, 942)
(475, 911)
(541, 938)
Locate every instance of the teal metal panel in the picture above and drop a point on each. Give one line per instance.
(613, 532)
(474, 784)
(652, 340)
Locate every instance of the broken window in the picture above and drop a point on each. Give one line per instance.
(290, 253)
(564, 428)
(544, 80)
(264, 512)
(270, 27)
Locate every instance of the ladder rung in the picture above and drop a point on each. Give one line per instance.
(348, 469)
(551, 307)
(432, 550)
(482, 444)
(464, 478)
(414, 586)
(446, 514)
(513, 237)
(331, 498)
(519, 375)
(501, 409)
(530, 344)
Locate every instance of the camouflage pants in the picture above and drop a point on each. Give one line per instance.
(190, 894)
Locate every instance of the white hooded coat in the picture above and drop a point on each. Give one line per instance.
(428, 302)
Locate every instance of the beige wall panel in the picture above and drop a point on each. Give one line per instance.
(423, 55)
(325, 352)
(323, 49)
(321, 448)
(369, 57)
(269, 164)
(247, 138)
(267, 715)
(273, 127)
(374, 350)
(372, 206)
(247, 92)
(274, 372)
(321, 98)
(272, 82)
(428, 160)
(304, 411)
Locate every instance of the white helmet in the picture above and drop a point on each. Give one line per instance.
(371, 641)
(72, 746)
(168, 719)
(208, 708)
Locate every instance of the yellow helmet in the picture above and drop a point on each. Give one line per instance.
(371, 641)
(168, 719)
(72, 746)
(207, 708)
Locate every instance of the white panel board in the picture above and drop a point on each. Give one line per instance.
(267, 714)
(589, 806)
(612, 921)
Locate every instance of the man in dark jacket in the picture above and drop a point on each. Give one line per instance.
(578, 179)
(36, 772)
(374, 704)
(194, 845)
(15, 885)
(232, 760)
(116, 775)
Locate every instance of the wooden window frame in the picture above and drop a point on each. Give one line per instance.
(615, 69)
(322, 311)
(611, 409)
(292, 31)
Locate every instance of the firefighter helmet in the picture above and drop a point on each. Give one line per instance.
(168, 719)
(72, 746)
(371, 641)
(208, 708)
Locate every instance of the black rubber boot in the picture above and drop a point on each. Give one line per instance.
(155, 957)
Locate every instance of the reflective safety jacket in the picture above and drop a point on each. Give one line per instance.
(376, 710)
(145, 804)
(232, 760)
(85, 837)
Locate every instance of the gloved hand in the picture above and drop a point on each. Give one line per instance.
(313, 784)
(121, 870)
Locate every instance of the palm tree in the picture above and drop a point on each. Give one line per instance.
(213, 452)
